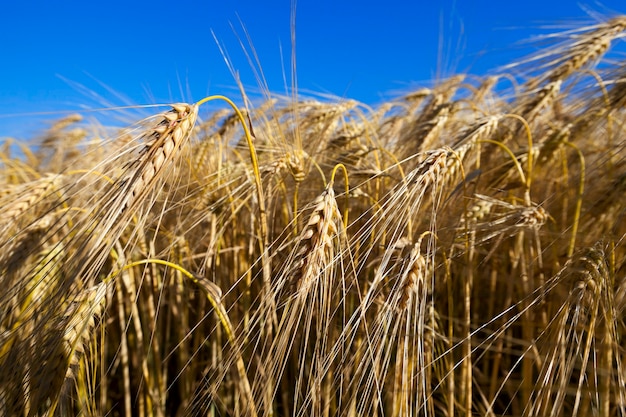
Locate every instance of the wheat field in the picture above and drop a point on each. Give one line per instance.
(457, 251)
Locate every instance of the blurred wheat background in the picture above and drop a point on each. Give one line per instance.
(457, 251)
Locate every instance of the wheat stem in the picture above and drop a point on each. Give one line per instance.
(213, 294)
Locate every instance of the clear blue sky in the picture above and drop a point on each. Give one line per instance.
(148, 51)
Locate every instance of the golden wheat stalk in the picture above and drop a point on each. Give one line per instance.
(570, 339)
(309, 281)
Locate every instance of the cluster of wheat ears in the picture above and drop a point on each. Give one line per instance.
(457, 251)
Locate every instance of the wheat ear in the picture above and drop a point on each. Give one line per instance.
(164, 142)
(572, 343)
(24, 197)
(588, 47)
(316, 239)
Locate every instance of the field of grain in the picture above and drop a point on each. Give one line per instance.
(458, 251)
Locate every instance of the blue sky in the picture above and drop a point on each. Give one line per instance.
(58, 56)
